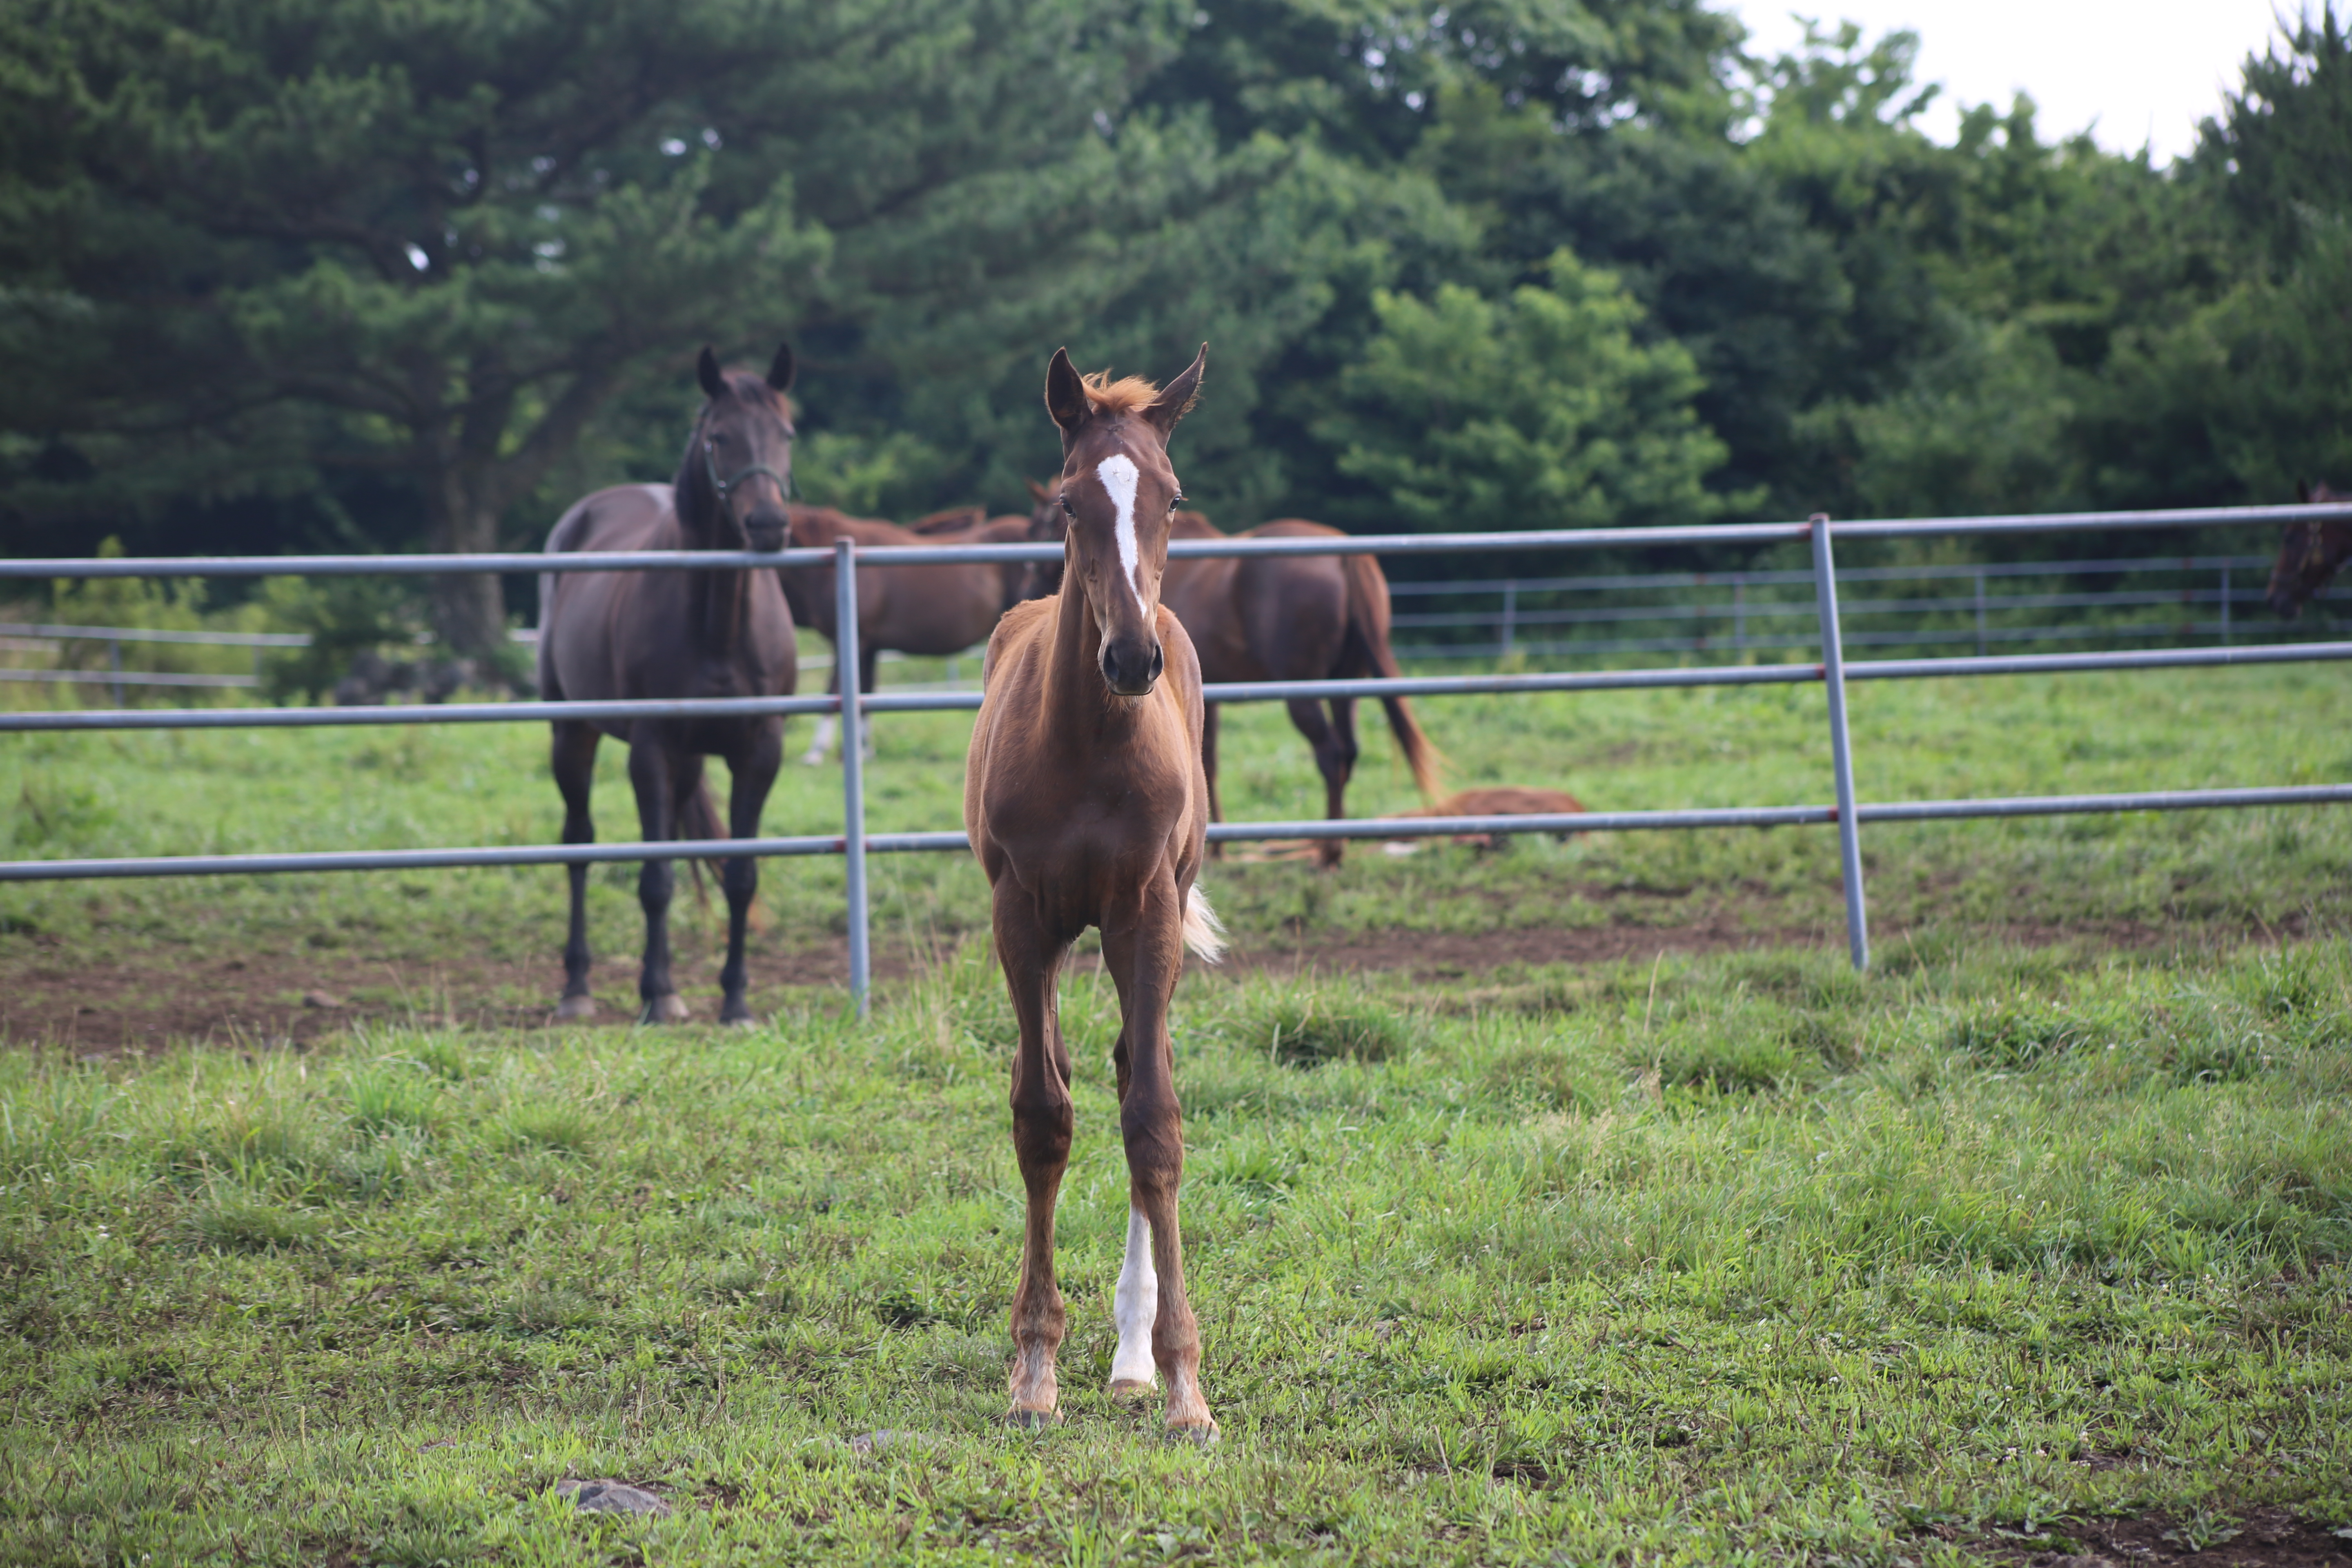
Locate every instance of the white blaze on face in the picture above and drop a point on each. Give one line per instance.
(1119, 477)
(1135, 1305)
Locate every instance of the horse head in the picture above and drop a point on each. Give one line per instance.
(1117, 496)
(2308, 555)
(736, 471)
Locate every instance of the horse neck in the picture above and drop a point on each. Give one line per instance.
(719, 603)
(1077, 701)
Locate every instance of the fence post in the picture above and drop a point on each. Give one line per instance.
(853, 758)
(1510, 614)
(1857, 919)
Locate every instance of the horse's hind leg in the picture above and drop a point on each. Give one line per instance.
(1209, 769)
(1335, 758)
(652, 772)
(821, 741)
(574, 749)
(1150, 1304)
(753, 769)
(1043, 1121)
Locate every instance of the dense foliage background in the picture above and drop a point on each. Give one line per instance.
(384, 273)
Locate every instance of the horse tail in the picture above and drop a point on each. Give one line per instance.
(1204, 932)
(698, 817)
(1367, 628)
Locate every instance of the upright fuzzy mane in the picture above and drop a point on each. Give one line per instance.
(1128, 395)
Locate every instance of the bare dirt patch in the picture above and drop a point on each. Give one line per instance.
(2271, 1537)
(59, 998)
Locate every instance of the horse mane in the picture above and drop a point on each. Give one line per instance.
(1129, 394)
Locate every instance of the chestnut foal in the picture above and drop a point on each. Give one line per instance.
(1086, 804)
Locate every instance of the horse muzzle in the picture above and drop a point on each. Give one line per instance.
(765, 530)
(1133, 664)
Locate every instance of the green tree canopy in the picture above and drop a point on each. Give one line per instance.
(1542, 410)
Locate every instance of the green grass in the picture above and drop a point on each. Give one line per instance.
(2236, 873)
(1735, 1259)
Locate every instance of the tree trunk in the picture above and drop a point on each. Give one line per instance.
(468, 610)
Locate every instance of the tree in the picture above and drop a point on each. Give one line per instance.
(437, 240)
(1539, 411)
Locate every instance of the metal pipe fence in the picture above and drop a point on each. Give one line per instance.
(855, 842)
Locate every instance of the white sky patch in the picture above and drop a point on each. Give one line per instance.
(2136, 72)
(1118, 476)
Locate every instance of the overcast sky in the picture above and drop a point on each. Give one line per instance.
(2140, 72)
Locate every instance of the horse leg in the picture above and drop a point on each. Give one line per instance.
(1335, 760)
(753, 767)
(867, 657)
(1144, 960)
(822, 741)
(1209, 769)
(653, 776)
(574, 749)
(1043, 1121)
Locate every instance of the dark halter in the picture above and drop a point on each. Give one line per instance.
(711, 467)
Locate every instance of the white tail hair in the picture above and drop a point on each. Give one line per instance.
(1204, 932)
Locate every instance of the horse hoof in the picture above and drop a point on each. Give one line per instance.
(572, 1008)
(812, 759)
(739, 1018)
(1031, 1420)
(669, 1009)
(1129, 1391)
(1202, 1435)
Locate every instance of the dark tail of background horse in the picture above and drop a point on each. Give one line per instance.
(1368, 646)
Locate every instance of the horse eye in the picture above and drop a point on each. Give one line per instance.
(1175, 501)
(1066, 506)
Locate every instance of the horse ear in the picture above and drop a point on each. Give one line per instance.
(779, 370)
(1177, 401)
(2303, 492)
(1039, 491)
(1065, 395)
(705, 371)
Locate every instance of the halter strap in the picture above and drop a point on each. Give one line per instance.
(711, 467)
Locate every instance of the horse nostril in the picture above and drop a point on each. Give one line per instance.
(1159, 660)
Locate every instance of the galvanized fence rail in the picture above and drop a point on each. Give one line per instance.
(855, 842)
(1516, 612)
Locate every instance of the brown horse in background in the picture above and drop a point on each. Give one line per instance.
(630, 635)
(2308, 555)
(1086, 804)
(1295, 617)
(935, 610)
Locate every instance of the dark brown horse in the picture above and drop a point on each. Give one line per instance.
(934, 610)
(2309, 553)
(1298, 617)
(604, 635)
(1087, 806)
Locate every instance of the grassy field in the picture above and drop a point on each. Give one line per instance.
(2041, 1232)
(1742, 1259)
(2234, 873)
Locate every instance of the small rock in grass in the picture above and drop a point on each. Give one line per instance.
(320, 999)
(605, 1496)
(887, 1439)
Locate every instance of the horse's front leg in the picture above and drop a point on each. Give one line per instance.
(1145, 958)
(1043, 1121)
(753, 768)
(652, 775)
(575, 748)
